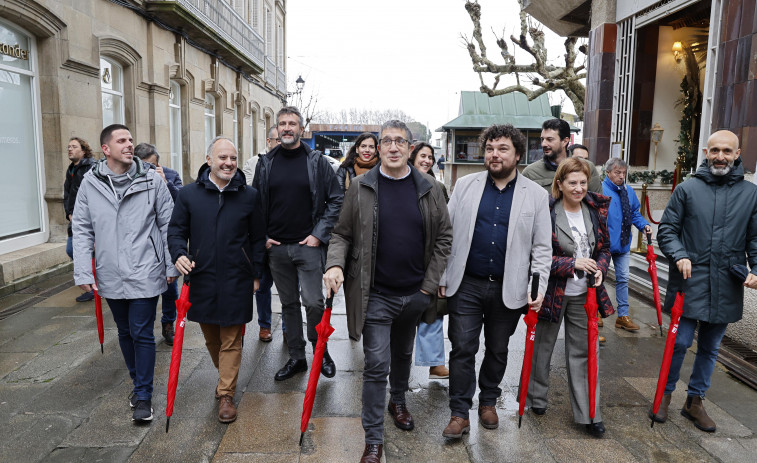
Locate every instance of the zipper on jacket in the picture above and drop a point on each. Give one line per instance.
(155, 248)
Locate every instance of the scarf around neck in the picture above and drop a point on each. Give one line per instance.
(362, 167)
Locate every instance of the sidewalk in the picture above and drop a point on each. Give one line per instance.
(62, 400)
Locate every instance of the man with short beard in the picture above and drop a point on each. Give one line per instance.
(555, 138)
(501, 226)
(301, 200)
(709, 229)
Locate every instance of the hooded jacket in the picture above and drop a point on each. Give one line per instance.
(226, 238)
(712, 221)
(615, 214)
(128, 235)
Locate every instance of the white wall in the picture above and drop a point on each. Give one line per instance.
(667, 91)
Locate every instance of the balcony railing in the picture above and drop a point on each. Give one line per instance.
(212, 23)
(281, 80)
(270, 72)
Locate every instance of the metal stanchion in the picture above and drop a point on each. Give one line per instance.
(640, 246)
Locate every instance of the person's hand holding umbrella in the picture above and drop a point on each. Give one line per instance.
(184, 265)
(530, 320)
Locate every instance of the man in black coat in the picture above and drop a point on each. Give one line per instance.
(220, 216)
(708, 229)
(80, 155)
(301, 199)
(149, 153)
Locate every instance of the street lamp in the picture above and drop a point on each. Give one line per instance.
(300, 83)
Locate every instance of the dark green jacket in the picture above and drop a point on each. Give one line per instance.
(543, 175)
(712, 221)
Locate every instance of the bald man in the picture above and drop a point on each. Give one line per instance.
(709, 230)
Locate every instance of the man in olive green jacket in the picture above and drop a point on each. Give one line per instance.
(392, 241)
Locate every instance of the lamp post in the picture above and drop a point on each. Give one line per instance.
(300, 84)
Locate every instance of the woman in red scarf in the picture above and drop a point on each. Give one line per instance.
(360, 159)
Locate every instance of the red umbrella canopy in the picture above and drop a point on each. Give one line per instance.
(651, 259)
(667, 356)
(591, 308)
(182, 306)
(530, 320)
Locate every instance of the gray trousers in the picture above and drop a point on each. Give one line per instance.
(297, 271)
(576, 360)
(388, 337)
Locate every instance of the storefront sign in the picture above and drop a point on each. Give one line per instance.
(14, 50)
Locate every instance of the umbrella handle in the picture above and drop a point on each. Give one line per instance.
(590, 279)
(534, 285)
(186, 277)
(649, 239)
(330, 301)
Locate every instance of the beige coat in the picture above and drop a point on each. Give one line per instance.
(529, 237)
(353, 242)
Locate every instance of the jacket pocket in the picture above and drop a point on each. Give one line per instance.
(352, 266)
(155, 249)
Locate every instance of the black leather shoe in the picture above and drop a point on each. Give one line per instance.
(168, 333)
(402, 418)
(596, 429)
(327, 366)
(372, 453)
(291, 368)
(539, 410)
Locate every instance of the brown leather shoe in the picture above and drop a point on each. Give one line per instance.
(693, 409)
(487, 416)
(602, 339)
(438, 372)
(372, 453)
(265, 335)
(402, 418)
(456, 428)
(600, 322)
(227, 412)
(626, 323)
(662, 413)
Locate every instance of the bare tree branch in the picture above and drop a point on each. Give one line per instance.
(539, 76)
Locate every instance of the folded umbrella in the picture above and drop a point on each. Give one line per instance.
(591, 308)
(675, 317)
(525, 373)
(182, 306)
(98, 308)
(324, 330)
(651, 258)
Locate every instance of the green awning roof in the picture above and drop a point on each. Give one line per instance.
(479, 110)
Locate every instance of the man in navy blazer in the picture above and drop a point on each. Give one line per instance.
(502, 232)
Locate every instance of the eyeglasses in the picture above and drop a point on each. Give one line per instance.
(387, 142)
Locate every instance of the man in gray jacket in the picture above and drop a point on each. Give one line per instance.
(502, 233)
(709, 230)
(392, 241)
(122, 213)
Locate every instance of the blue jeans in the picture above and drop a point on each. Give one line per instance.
(169, 303)
(297, 271)
(429, 344)
(263, 298)
(70, 247)
(478, 304)
(708, 345)
(388, 335)
(621, 261)
(134, 319)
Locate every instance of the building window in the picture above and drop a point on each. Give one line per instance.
(268, 32)
(235, 127)
(255, 14)
(174, 122)
(253, 131)
(112, 89)
(22, 192)
(210, 119)
(280, 46)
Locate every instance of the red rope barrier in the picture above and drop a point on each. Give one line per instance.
(649, 212)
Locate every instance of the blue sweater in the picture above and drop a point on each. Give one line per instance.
(615, 214)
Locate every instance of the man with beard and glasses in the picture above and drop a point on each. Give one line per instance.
(709, 229)
(301, 199)
(502, 233)
(555, 138)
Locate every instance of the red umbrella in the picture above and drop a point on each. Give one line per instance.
(182, 305)
(98, 309)
(591, 308)
(675, 317)
(324, 330)
(525, 373)
(651, 258)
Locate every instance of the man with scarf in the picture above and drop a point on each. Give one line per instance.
(624, 211)
(555, 138)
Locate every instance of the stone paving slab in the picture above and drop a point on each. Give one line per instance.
(34, 436)
(10, 362)
(88, 454)
(333, 439)
(587, 450)
(188, 440)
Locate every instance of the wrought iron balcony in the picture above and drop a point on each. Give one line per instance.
(215, 25)
(270, 72)
(281, 80)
